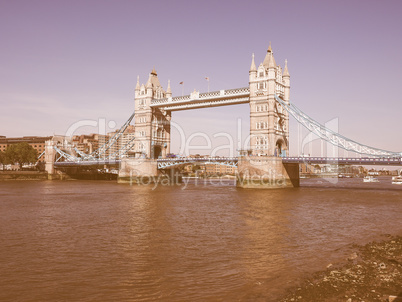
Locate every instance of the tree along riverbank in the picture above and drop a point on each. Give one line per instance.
(372, 273)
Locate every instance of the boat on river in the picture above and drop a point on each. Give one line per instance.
(370, 178)
(397, 180)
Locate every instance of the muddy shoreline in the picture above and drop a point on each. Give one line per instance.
(372, 272)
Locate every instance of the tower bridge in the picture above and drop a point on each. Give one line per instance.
(269, 122)
(268, 95)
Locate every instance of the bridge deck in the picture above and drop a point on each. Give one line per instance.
(394, 161)
(87, 163)
(166, 163)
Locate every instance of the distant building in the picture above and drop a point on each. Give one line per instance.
(351, 170)
(127, 137)
(194, 167)
(308, 169)
(218, 169)
(88, 143)
(37, 142)
(211, 169)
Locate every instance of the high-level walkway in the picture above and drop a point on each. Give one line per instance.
(204, 100)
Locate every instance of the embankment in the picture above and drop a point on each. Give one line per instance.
(22, 175)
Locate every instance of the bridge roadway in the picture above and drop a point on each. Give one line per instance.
(166, 163)
(363, 161)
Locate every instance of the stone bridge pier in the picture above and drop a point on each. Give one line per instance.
(262, 172)
(138, 170)
(145, 171)
(266, 172)
(50, 155)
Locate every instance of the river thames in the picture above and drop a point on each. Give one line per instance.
(103, 241)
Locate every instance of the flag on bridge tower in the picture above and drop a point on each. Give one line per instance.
(207, 78)
(182, 88)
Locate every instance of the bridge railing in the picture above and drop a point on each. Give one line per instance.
(166, 163)
(237, 92)
(206, 159)
(344, 160)
(210, 94)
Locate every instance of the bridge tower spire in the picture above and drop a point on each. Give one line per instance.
(252, 67)
(268, 121)
(286, 96)
(168, 90)
(152, 125)
(137, 87)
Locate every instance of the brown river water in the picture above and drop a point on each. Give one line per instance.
(103, 241)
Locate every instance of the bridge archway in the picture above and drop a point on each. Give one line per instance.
(157, 152)
(280, 148)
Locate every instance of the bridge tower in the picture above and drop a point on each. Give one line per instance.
(50, 155)
(269, 122)
(152, 125)
(269, 129)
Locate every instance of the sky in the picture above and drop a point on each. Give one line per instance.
(69, 63)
